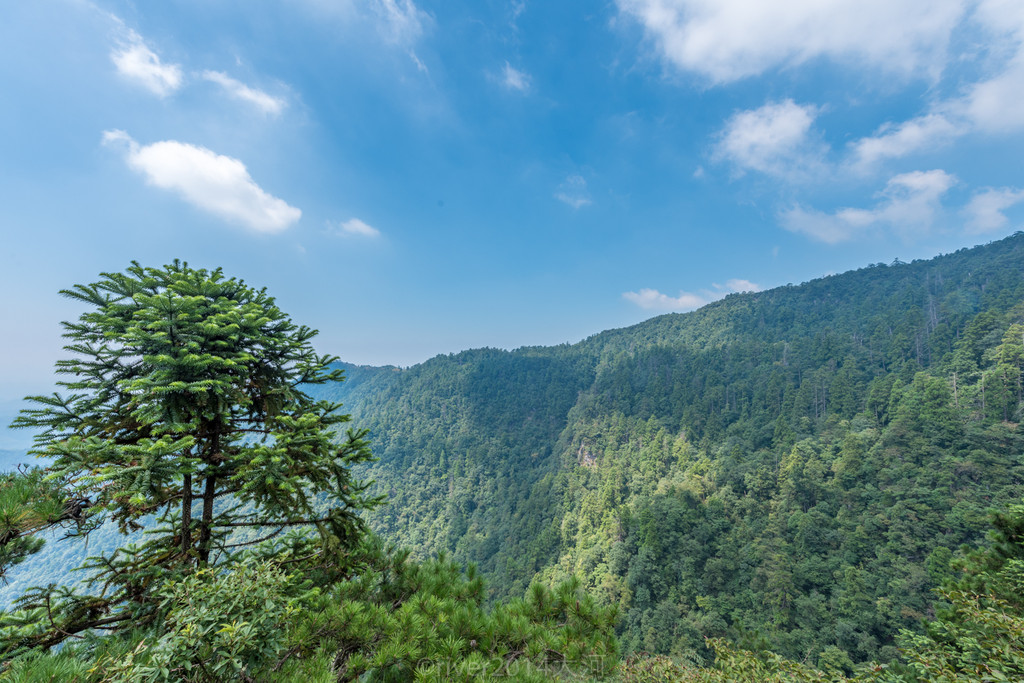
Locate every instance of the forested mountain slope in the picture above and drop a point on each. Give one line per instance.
(791, 468)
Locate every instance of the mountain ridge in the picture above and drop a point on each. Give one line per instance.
(543, 461)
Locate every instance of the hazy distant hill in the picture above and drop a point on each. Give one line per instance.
(791, 465)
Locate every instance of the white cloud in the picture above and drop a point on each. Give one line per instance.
(213, 182)
(514, 79)
(573, 191)
(266, 103)
(135, 61)
(357, 228)
(893, 141)
(909, 204)
(774, 139)
(726, 40)
(399, 23)
(652, 299)
(737, 285)
(985, 210)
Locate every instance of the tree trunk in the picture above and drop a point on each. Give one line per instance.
(206, 526)
(186, 518)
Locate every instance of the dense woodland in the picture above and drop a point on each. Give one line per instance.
(791, 469)
(796, 484)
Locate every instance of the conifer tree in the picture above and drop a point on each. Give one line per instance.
(186, 414)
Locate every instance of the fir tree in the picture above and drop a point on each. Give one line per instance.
(186, 413)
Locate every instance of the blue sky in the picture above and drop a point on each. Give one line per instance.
(415, 177)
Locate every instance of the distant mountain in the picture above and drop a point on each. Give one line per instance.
(789, 467)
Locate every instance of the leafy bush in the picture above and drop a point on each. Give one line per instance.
(219, 626)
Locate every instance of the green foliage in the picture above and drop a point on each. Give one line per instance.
(47, 668)
(978, 639)
(399, 620)
(731, 666)
(979, 634)
(998, 570)
(645, 668)
(975, 637)
(217, 626)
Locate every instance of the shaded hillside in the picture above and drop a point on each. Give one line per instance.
(790, 468)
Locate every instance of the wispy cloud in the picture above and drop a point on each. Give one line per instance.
(212, 182)
(652, 299)
(400, 20)
(514, 79)
(984, 212)
(726, 40)
(401, 23)
(573, 191)
(266, 103)
(394, 24)
(908, 205)
(775, 139)
(354, 227)
(137, 62)
(893, 141)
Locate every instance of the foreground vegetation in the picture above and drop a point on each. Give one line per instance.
(390, 619)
